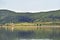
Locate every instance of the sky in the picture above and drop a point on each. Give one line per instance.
(30, 5)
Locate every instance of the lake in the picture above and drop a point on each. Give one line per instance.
(36, 39)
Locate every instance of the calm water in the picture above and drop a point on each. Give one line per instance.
(51, 34)
(36, 39)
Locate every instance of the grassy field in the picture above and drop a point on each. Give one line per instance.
(30, 26)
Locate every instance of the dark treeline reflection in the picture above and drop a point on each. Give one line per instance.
(42, 34)
(25, 34)
(15, 35)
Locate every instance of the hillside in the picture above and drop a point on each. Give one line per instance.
(7, 16)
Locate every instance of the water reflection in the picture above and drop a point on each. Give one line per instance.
(33, 39)
(25, 34)
(30, 35)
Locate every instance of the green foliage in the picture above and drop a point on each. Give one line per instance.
(7, 16)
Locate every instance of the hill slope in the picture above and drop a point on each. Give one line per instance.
(7, 16)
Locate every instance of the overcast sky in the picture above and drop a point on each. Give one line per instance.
(30, 5)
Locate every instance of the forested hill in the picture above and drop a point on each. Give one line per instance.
(8, 16)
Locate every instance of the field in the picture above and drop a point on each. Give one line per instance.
(30, 26)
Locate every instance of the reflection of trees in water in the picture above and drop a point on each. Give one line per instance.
(25, 34)
(8, 35)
